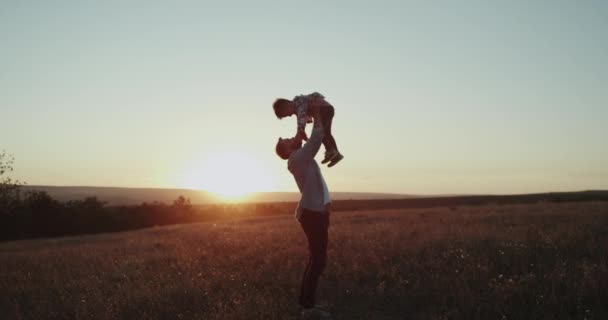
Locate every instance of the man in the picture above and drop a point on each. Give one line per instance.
(312, 211)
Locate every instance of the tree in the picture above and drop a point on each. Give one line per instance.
(182, 203)
(9, 188)
(40, 202)
(88, 204)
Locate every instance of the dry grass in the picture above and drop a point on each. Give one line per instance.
(543, 261)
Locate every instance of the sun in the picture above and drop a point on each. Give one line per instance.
(229, 175)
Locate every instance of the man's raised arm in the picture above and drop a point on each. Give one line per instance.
(311, 147)
(316, 99)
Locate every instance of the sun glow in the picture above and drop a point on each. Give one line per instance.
(230, 175)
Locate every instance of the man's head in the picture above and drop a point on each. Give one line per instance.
(285, 147)
(283, 108)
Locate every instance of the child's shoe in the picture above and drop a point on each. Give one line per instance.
(329, 155)
(335, 159)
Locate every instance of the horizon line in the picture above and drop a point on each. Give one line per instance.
(338, 191)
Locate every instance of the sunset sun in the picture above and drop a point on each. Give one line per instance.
(229, 175)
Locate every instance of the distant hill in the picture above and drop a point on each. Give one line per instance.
(134, 196)
(130, 196)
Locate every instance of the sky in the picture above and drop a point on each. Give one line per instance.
(431, 97)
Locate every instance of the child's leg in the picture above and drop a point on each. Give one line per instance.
(332, 155)
(327, 113)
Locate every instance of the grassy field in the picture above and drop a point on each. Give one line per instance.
(538, 261)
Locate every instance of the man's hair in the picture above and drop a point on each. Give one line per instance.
(280, 105)
(281, 150)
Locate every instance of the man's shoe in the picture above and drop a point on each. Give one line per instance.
(335, 159)
(329, 156)
(322, 307)
(315, 313)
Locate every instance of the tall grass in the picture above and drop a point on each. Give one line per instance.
(540, 261)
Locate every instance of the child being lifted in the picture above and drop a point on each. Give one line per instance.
(301, 106)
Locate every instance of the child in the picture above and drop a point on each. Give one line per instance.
(301, 106)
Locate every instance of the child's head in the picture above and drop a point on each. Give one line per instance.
(283, 108)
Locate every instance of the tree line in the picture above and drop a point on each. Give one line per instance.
(36, 214)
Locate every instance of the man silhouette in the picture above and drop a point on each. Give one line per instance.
(312, 211)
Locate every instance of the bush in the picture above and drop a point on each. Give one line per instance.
(9, 188)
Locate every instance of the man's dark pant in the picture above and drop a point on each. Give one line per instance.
(327, 113)
(315, 225)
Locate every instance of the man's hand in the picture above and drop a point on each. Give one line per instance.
(314, 108)
(301, 135)
(316, 101)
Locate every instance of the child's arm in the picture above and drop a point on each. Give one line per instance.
(301, 109)
(302, 119)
